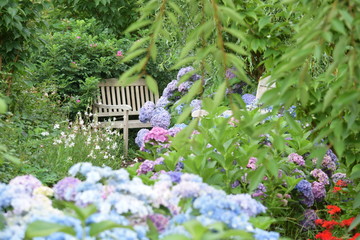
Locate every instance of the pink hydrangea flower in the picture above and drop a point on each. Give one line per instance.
(78, 37)
(252, 163)
(296, 158)
(119, 54)
(157, 134)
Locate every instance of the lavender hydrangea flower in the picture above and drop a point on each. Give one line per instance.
(179, 108)
(299, 173)
(184, 71)
(338, 176)
(146, 112)
(139, 140)
(318, 190)
(304, 187)
(162, 102)
(296, 158)
(160, 118)
(260, 191)
(173, 131)
(328, 163)
(170, 89)
(185, 86)
(27, 182)
(320, 176)
(229, 74)
(309, 219)
(160, 221)
(332, 155)
(145, 167)
(252, 163)
(195, 104)
(248, 98)
(65, 189)
(175, 176)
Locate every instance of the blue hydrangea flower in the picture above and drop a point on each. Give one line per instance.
(162, 102)
(184, 71)
(139, 140)
(170, 89)
(304, 187)
(146, 112)
(195, 104)
(260, 234)
(161, 118)
(248, 98)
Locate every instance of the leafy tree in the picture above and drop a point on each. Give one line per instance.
(19, 22)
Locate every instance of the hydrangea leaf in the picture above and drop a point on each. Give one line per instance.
(42, 228)
(97, 228)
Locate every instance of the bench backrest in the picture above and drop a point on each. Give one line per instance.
(263, 86)
(134, 95)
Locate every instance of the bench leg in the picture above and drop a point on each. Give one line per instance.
(126, 133)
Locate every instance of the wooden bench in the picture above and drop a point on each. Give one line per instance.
(122, 103)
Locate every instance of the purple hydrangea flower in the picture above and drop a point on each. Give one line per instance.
(252, 163)
(157, 134)
(162, 102)
(195, 104)
(173, 131)
(338, 176)
(184, 71)
(320, 176)
(299, 173)
(65, 189)
(309, 219)
(260, 191)
(248, 98)
(185, 86)
(235, 184)
(179, 166)
(296, 158)
(161, 118)
(318, 190)
(304, 187)
(139, 140)
(146, 112)
(332, 155)
(175, 176)
(229, 74)
(170, 89)
(328, 163)
(160, 221)
(27, 182)
(145, 167)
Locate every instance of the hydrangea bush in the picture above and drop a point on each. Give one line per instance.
(123, 207)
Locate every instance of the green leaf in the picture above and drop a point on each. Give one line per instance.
(42, 229)
(195, 228)
(82, 213)
(194, 90)
(264, 21)
(137, 25)
(256, 177)
(262, 222)
(3, 3)
(152, 85)
(134, 54)
(99, 227)
(338, 26)
(354, 223)
(220, 93)
(3, 106)
(176, 8)
(357, 201)
(12, 11)
(236, 17)
(2, 221)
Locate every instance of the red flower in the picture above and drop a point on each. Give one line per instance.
(336, 189)
(326, 235)
(333, 209)
(341, 183)
(329, 224)
(347, 222)
(319, 221)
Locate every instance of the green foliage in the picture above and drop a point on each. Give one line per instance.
(116, 15)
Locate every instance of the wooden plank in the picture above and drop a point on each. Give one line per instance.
(146, 90)
(113, 98)
(151, 96)
(128, 98)
(118, 97)
(133, 101)
(138, 99)
(123, 96)
(103, 99)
